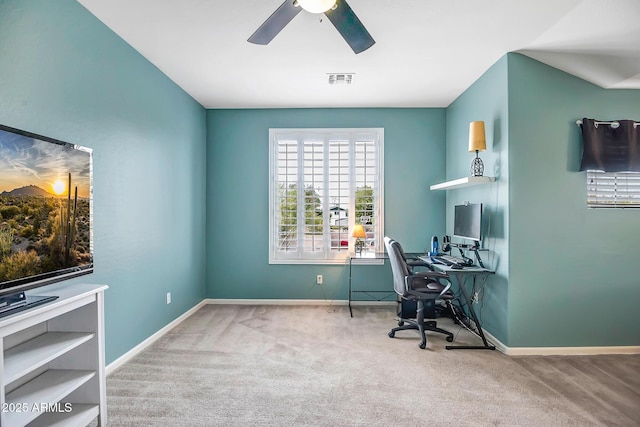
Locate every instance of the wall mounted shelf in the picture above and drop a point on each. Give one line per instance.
(463, 182)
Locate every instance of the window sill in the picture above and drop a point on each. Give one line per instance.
(338, 261)
(368, 258)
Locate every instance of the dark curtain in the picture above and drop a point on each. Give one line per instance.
(611, 149)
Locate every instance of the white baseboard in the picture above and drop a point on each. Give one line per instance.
(493, 340)
(297, 302)
(372, 303)
(572, 351)
(111, 367)
(560, 351)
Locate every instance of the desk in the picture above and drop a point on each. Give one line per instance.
(375, 295)
(384, 295)
(478, 276)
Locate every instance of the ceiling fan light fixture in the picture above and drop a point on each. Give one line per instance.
(316, 6)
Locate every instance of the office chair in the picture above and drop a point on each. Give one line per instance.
(413, 262)
(423, 287)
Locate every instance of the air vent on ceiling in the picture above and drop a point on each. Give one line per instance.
(340, 78)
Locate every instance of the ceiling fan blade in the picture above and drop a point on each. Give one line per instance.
(350, 27)
(275, 23)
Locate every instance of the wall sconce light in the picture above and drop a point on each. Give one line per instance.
(477, 142)
(359, 233)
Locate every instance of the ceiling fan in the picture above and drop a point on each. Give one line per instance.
(338, 11)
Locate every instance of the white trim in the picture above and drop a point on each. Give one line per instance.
(334, 261)
(493, 340)
(300, 137)
(153, 338)
(363, 260)
(371, 303)
(572, 351)
(560, 351)
(341, 302)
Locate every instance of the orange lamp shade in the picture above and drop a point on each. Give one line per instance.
(358, 231)
(477, 141)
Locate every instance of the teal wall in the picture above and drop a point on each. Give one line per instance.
(237, 195)
(181, 194)
(574, 278)
(65, 75)
(486, 100)
(565, 274)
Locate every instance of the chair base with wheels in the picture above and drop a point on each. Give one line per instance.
(422, 326)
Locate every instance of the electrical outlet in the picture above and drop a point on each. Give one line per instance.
(168, 297)
(319, 279)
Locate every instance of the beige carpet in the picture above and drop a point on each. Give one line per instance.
(315, 366)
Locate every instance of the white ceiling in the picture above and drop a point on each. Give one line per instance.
(427, 52)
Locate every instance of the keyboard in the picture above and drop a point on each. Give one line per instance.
(451, 260)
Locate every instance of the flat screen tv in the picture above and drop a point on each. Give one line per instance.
(467, 221)
(46, 212)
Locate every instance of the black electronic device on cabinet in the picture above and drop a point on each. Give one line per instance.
(46, 209)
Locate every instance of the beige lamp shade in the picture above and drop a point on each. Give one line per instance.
(316, 6)
(358, 231)
(477, 141)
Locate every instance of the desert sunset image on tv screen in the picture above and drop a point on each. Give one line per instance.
(45, 212)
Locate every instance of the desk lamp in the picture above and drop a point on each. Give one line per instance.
(477, 142)
(359, 233)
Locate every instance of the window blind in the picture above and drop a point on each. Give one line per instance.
(323, 182)
(613, 189)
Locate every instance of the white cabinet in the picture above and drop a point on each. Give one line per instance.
(52, 367)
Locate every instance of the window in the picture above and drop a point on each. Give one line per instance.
(322, 183)
(613, 189)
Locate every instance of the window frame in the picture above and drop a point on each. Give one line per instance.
(327, 136)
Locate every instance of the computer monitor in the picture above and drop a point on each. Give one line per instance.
(467, 223)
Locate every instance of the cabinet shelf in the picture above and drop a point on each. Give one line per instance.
(49, 387)
(34, 353)
(463, 182)
(81, 415)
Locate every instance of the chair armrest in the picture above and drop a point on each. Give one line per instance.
(416, 262)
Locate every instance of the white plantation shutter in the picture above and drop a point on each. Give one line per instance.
(322, 182)
(314, 178)
(340, 185)
(287, 232)
(613, 189)
(365, 176)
